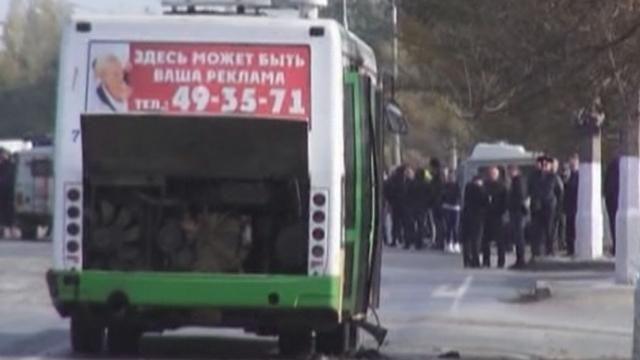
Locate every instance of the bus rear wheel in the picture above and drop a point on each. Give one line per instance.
(87, 335)
(293, 343)
(342, 340)
(123, 339)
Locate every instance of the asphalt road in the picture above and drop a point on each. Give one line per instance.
(429, 304)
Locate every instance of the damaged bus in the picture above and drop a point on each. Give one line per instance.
(219, 170)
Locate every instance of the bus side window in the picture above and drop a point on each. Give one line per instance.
(349, 156)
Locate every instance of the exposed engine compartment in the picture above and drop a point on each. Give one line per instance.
(144, 210)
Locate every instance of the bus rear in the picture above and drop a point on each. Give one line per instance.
(199, 181)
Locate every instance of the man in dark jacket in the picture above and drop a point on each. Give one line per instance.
(559, 220)
(473, 219)
(518, 209)
(451, 212)
(571, 204)
(545, 192)
(410, 209)
(393, 192)
(497, 192)
(611, 191)
(437, 184)
(419, 200)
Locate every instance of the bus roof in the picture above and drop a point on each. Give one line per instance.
(353, 47)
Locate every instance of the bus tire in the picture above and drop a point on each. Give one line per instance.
(293, 343)
(123, 339)
(87, 336)
(342, 340)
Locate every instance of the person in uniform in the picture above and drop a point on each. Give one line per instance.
(518, 210)
(451, 212)
(493, 231)
(571, 204)
(437, 185)
(409, 209)
(419, 201)
(392, 193)
(473, 219)
(559, 221)
(544, 202)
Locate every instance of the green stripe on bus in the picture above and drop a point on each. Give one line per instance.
(201, 289)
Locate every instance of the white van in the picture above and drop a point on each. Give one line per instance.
(33, 192)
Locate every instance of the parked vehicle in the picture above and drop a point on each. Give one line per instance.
(33, 190)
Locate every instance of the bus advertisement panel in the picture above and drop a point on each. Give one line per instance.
(271, 81)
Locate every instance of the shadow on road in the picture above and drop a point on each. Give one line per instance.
(200, 347)
(32, 345)
(54, 344)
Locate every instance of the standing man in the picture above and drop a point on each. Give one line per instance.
(518, 210)
(409, 209)
(559, 219)
(436, 193)
(393, 194)
(571, 203)
(544, 203)
(419, 200)
(533, 182)
(473, 219)
(497, 193)
(451, 212)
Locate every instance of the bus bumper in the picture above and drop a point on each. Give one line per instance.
(69, 289)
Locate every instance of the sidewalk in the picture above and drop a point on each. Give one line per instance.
(432, 305)
(564, 263)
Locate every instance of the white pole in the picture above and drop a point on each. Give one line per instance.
(589, 218)
(397, 152)
(345, 15)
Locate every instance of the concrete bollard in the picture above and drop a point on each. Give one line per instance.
(628, 221)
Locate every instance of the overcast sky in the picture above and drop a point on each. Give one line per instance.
(100, 6)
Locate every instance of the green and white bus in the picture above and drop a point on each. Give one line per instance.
(218, 170)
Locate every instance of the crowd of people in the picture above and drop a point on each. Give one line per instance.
(422, 203)
(509, 208)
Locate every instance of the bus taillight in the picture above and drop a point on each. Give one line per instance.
(318, 230)
(73, 224)
(318, 217)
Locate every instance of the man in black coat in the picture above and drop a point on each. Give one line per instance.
(410, 209)
(437, 187)
(559, 221)
(393, 192)
(571, 204)
(518, 209)
(545, 193)
(497, 193)
(419, 200)
(451, 212)
(473, 219)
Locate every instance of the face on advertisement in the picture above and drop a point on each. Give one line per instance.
(111, 73)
